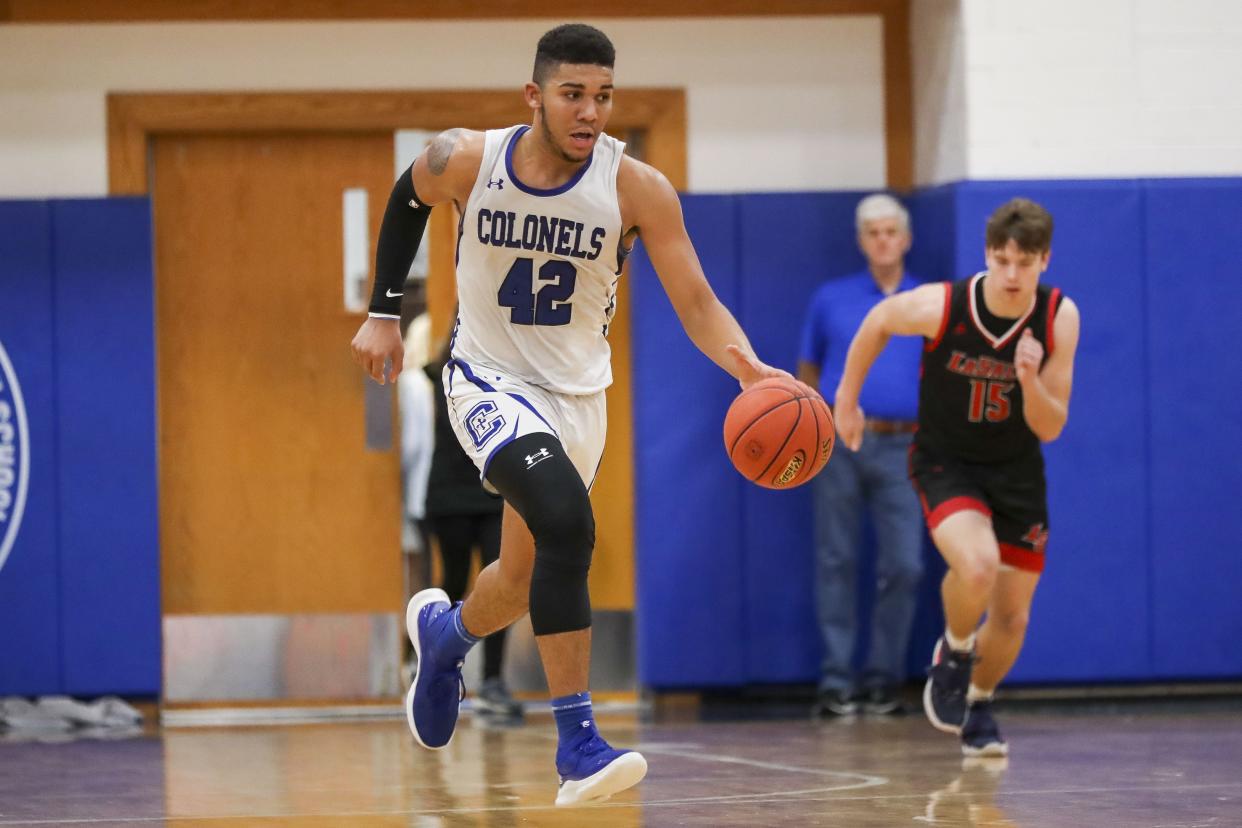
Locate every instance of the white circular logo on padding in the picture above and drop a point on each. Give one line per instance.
(14, 456)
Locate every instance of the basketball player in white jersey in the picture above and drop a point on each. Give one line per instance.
(549, 212)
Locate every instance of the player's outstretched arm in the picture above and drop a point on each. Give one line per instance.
(1046, 392)
(649, 203)
(444, 172)
(916, 312)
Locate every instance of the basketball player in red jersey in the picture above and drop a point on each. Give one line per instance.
(998, 363)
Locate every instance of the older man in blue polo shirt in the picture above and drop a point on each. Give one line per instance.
(873, 478)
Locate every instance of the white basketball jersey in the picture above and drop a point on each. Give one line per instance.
(537, 270)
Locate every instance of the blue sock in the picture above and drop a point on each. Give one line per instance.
(453, 640)
(573, 715)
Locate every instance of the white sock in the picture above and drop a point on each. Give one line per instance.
(974, 694)
(961, 645)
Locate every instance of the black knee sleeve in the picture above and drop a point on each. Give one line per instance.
(536, 477)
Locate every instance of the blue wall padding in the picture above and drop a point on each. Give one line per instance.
(79, 595)
(688, 525)
(1194, 280)
(1092, 593)
(789, 245)
(1143, 573)
(933, 221)
(30, 651)
(105, 368)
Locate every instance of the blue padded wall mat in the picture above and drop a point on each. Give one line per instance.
(791, 243)
(933, 221)
(30, 632)
(688, 526)
(1141, 575)
(79, 593)
(1194, 283)
(105, 368)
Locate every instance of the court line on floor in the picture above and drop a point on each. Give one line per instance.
(867, 780)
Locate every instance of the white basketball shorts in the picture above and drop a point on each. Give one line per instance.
(489, 410)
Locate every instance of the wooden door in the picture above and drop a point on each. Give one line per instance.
(269, 501)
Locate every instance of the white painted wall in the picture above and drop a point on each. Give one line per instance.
(1103, 88)
(774, 103)
(938, 66)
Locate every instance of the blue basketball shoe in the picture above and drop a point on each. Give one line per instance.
(591, 770)
(432, 703)
(944, 695)
(980, 735)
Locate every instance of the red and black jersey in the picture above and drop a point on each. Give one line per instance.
(970, 402)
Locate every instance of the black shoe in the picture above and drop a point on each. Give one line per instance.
(980, 735)
(944, 695)
(882, 700)
(493, 698)
(834, 703)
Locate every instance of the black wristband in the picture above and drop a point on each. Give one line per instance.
(405, 220)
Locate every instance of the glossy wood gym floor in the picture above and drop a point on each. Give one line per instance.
(1118, 769)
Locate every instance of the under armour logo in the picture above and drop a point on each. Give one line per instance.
(538, 457)
(586, 722)
(499, 184)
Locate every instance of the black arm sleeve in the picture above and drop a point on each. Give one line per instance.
(405, 219)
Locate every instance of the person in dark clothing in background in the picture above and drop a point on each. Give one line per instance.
(461, 516)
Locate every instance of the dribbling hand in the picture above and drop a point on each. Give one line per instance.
(749, 370)
(1027, 357)
(378, 343)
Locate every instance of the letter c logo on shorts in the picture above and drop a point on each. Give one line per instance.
(484, 422)
(14, 456)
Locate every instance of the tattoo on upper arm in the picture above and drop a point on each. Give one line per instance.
(440, 150)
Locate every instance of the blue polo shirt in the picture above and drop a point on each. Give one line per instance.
(891, 391)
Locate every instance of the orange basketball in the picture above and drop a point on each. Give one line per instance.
(779, 433)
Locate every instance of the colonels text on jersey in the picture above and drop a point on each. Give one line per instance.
(537, 270)
(970, 402)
